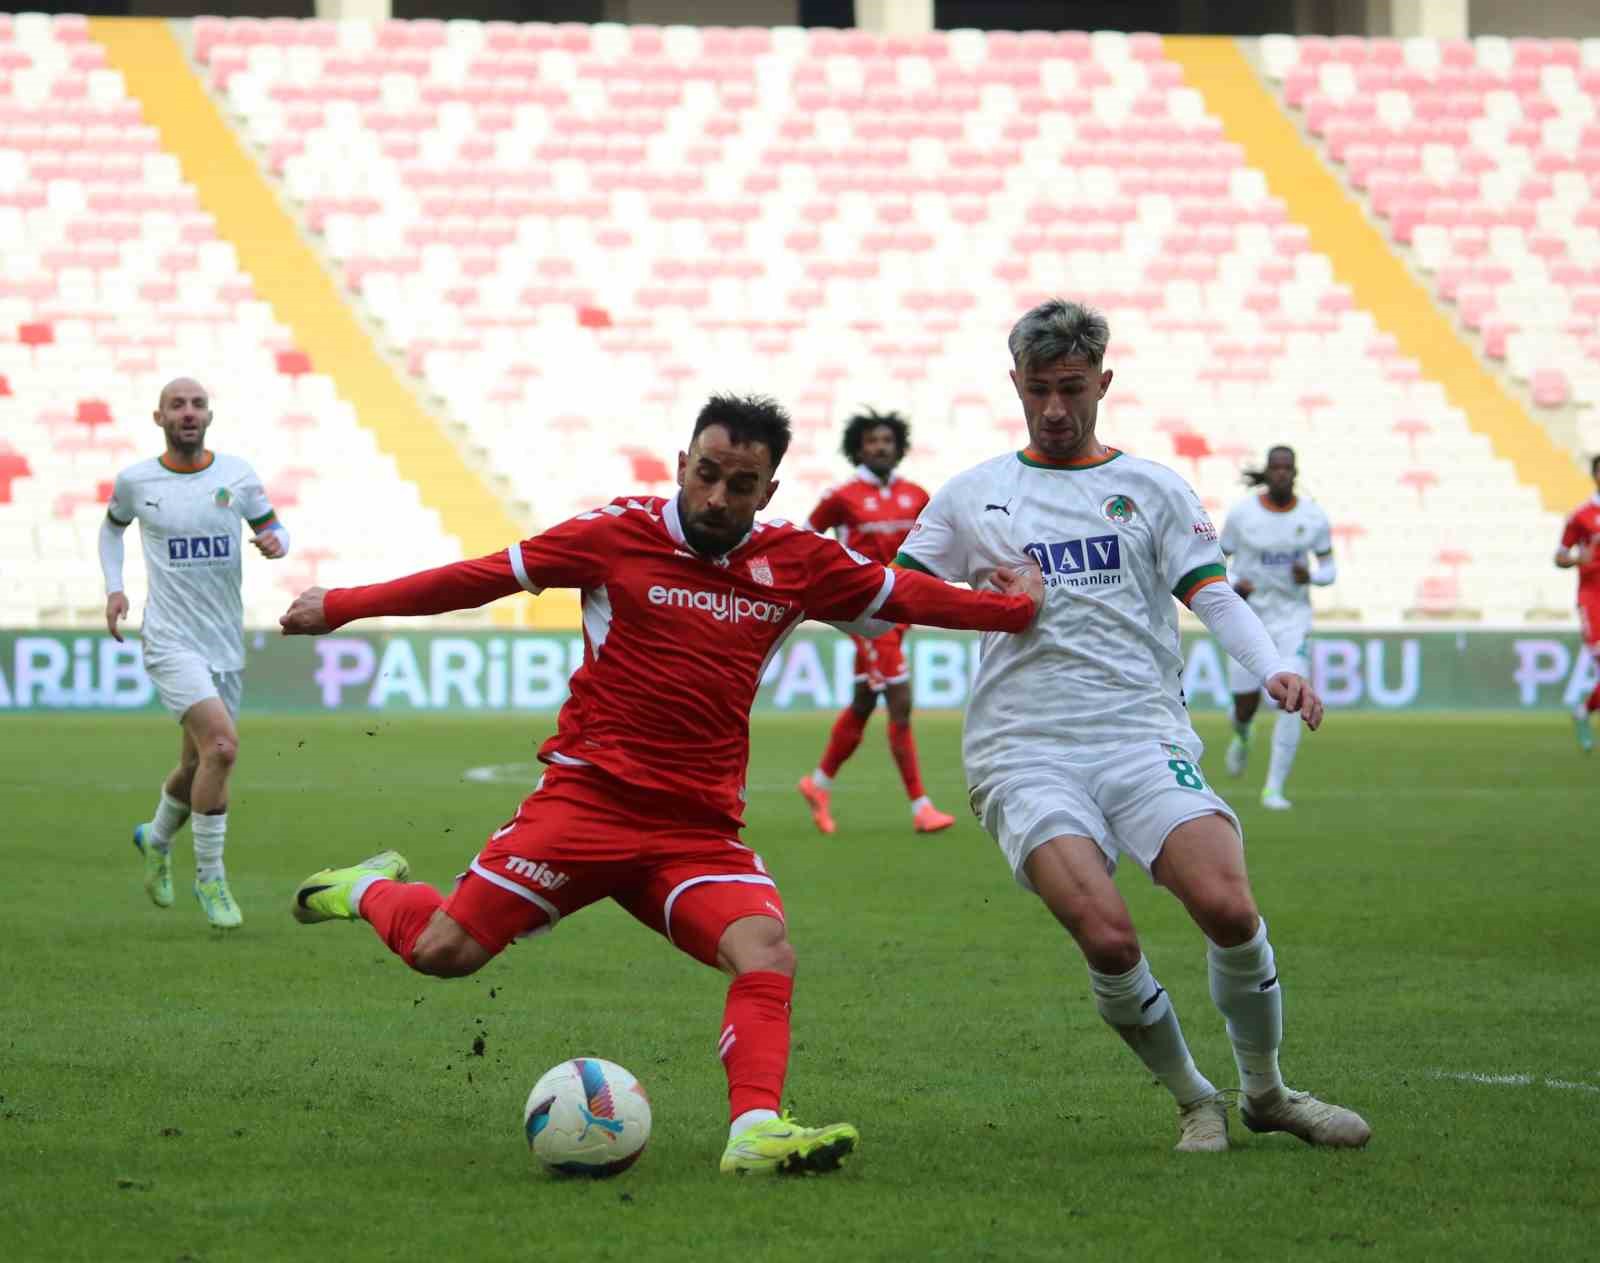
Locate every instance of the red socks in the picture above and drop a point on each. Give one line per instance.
(843, 740)
(904, 748)
(755, 1040)
(399, 911)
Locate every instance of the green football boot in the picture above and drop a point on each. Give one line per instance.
(781, 1146)
(325, 896)
(157, 868)
(1584, 731)
(217, 900)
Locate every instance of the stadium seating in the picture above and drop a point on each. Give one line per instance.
(114, 281)
(1482, 157)
(573, 233)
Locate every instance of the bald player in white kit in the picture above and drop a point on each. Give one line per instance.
(189, 503)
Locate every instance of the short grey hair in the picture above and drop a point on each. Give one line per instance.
(1057, 329)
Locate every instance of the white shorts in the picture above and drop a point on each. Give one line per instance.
(1126, 799)
(182, 679)
(1294, 646)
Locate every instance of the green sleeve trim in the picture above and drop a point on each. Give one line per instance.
(1186, 585)
(907, 562)
(256, 523)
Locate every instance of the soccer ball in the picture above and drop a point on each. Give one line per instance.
(587, 1117)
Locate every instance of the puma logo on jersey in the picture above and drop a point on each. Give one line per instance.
(1001, 508)
(152, 504)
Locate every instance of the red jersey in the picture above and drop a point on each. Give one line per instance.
(675, 643)
(872, 517)
(1583, 527)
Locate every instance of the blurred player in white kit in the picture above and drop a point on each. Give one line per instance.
(1270, 540)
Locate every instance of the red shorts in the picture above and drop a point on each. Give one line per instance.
(582, 836)
(1589, 620)
(882, 662)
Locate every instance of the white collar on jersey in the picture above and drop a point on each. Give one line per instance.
(866, 475)
(674, 524)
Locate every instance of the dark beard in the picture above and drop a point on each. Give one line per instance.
(699, 541)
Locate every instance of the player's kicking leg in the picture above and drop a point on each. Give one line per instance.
(417, 924)
(1202, 862)
(1070, 875)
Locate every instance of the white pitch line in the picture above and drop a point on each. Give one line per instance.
(1513, 1080)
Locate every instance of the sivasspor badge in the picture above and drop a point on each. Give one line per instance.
(761, 570)
(224, 497)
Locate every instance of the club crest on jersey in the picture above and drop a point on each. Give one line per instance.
(1119, 509)
(1095, 562)
(761, 571)
(224, 497)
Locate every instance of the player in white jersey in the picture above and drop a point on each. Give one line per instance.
(189, 502)
(1270, 540)
(1078, 747)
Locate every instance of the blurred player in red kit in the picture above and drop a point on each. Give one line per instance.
(684, 600)
(872, 513)
(1580, 547)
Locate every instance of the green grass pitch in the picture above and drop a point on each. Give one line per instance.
(295, 1093)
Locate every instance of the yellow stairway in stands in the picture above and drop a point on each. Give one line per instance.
(1363, 260)
(288, 275)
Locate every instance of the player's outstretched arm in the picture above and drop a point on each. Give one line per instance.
(464, 585)
(920, 598)
(1245, 640)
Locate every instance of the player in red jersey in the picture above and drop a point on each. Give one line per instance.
(872, 514)
(684, 603)
(1580, 548)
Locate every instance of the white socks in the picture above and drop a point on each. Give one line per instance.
(1244, 985)
(169, 818)
(209, 835)
(1285, 741)
(821, 779)
(747, 1120)
(1139, 1009)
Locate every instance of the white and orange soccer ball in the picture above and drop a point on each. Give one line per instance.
(587, 1116)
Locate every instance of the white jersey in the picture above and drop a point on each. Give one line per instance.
(1101, 665)
(189, 526)
(1263, 544)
